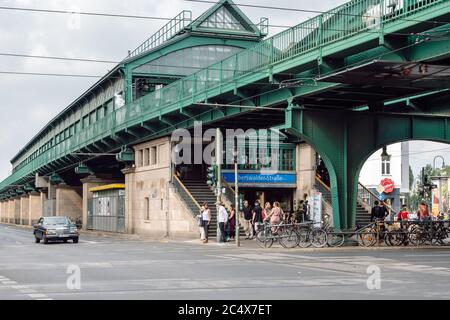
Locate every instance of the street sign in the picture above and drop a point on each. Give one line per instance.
(388, 185)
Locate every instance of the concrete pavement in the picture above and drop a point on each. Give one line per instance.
(116, 268)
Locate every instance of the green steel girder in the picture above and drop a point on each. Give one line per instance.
(350, 47)
(133, 132)
(346, 140)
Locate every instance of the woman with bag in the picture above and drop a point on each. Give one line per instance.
(200, 224)
(206, 217)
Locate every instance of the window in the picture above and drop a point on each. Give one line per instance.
(386, 167)
(146, 156)
(85, 122)
(140, 158)
(223, 19)
(147, 209)
(153, 155)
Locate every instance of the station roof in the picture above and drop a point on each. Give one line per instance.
(224, 18)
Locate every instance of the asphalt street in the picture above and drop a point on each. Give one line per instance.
(114, 268)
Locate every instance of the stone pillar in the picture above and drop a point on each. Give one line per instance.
(306, 173)
(35, 207)
(9, 211)
(130, 177)
(69, 202)
(88, 183)
(24, 210)
(2, 211)
(17, 211)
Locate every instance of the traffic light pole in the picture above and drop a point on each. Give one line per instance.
(219, 161)
(236, 198)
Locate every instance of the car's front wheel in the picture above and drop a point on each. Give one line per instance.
(75, 240)
(45, 240)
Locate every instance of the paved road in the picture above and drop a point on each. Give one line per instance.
(113, 268)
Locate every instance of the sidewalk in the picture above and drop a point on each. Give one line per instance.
(245, 244)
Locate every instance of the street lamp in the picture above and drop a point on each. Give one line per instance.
(236, 196)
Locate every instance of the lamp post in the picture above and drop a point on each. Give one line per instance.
(440, 179)
(236, 196)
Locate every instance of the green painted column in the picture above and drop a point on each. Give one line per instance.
(332, 135)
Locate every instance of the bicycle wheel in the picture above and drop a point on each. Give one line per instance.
(264, 238)
(335, 239)
(289, 239)
(395, 238)
(304, 238)
(416, 237)
(368, 237)
(318, 238)
(440, 237)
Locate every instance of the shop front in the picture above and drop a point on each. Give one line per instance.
(254, 186)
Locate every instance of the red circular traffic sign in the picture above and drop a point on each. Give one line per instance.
(388, 185)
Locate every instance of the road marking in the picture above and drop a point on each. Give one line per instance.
(38, 296)
(23, 289)
(27, 291)
(86, 241)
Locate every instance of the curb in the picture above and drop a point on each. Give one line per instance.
(251, 245)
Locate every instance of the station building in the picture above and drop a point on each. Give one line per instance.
(142, 191)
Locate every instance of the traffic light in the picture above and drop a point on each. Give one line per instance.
(211, 176)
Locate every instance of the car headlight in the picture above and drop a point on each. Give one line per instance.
(73, 230)
(51, 232)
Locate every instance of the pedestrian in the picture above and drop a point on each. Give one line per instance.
(257, 218)
(403, 214)
(200, 223)
(423, 214)
(206, 217)
(248, 216)
(275, 215)
(305, 209)
(377, 212)
(222, 218)
(232, 222)
(267, 209)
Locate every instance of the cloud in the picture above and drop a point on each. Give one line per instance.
(28, 103)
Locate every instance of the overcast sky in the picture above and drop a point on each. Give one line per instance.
(28, 103)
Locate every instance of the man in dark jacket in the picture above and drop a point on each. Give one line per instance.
(257, 217)
(378, 212)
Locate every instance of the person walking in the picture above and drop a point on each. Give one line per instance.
(222, 218)
(248, 216)
(206, 218)
(232, 223)
(275, 215)
(257, 218)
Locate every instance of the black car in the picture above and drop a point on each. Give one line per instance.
(55, 228)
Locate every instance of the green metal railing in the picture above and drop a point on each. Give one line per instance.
(164, 34)
(351, 19)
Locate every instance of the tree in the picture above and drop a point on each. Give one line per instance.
(411, 178)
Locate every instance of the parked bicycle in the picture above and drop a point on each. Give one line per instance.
(284, 233)
(311, 234)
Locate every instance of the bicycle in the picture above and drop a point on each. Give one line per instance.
(284, 234)
(334, 239)
(309, 235)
